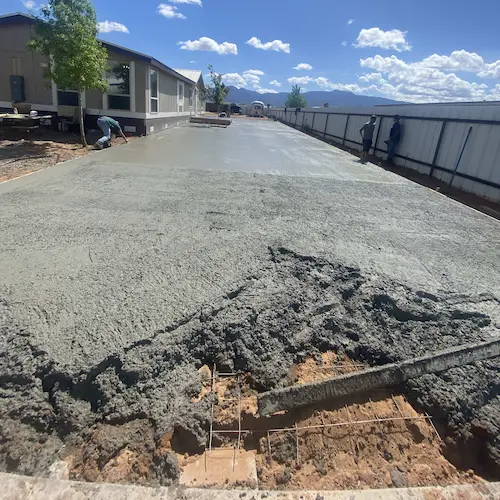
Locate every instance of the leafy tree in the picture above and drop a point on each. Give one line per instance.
(67, 33)
(218, 91)
(295, 99)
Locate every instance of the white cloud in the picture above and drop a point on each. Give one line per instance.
(256, 72)
(431, 79)
(192, 62)
(490, 70)
(303, 67)
(209, 45)
(169, 11)
(417, 82)
(29, 4)
(326, 84)
(344, 43)
(109, 26)
(193, 2)
(323, 83)
(458, 60)
(383, 64)
(351, 21)
(275, 83)
(390, 40)
(276, 45)
(267, 91)
(494, 94)
(300, 80)
(372, 77)
(234, 79)
(251, 78)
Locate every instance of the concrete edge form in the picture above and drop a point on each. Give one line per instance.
(15, 487)
(374, 378)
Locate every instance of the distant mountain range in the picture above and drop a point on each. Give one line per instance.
(313, 98)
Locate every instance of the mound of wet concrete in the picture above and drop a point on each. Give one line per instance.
(296, 306)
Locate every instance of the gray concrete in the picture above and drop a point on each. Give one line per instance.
(365, 381)
(104, 250)
(23, 488)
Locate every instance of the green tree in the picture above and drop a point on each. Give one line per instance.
(66, 32)
(216, 92)
(295, 99)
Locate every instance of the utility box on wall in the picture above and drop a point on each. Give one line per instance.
(17, 88)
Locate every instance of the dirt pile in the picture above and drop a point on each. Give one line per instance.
(296, 306)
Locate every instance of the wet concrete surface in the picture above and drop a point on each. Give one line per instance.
(100, 252)
(136, 242)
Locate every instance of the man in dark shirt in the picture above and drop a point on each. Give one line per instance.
(107, 124)
(366, 132)
(394, 138)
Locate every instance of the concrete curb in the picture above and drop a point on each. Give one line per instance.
(16, 487)
(375, 378)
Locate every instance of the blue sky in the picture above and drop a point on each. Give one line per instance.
(412, 50)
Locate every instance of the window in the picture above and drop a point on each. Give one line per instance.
(67, 98)
(153, 78)
(191, 95)
(16, 66)
(118, 78)
(181, 97)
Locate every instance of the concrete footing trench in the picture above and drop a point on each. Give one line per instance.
(158, 411)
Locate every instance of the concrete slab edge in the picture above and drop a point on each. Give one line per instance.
(16, 487)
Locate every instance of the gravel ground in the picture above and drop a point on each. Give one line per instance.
(124, 272)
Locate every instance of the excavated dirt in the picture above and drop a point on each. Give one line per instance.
(321, 454)
(125, 418)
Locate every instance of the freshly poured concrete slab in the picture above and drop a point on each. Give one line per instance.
(103, 251)
(259, 147)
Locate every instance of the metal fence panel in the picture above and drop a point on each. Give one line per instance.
(355, 123)
(433, 136)
(319, 123)
(336, 125)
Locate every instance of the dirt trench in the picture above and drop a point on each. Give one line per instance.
(128, 418)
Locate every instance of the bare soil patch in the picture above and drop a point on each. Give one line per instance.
(374, 441)
(21, 154)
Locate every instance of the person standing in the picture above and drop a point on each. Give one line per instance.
(394, 138)
(107, 124)
(366, 132)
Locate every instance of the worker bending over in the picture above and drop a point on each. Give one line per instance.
(107, 125)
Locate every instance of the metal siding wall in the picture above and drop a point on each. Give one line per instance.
(419, 138)
(336, 125)
(167, 92)
(304, 119)
(319, 123)
(13, 40)
(355, 123)
(453, 139)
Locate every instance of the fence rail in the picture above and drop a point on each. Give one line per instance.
(439, 146)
